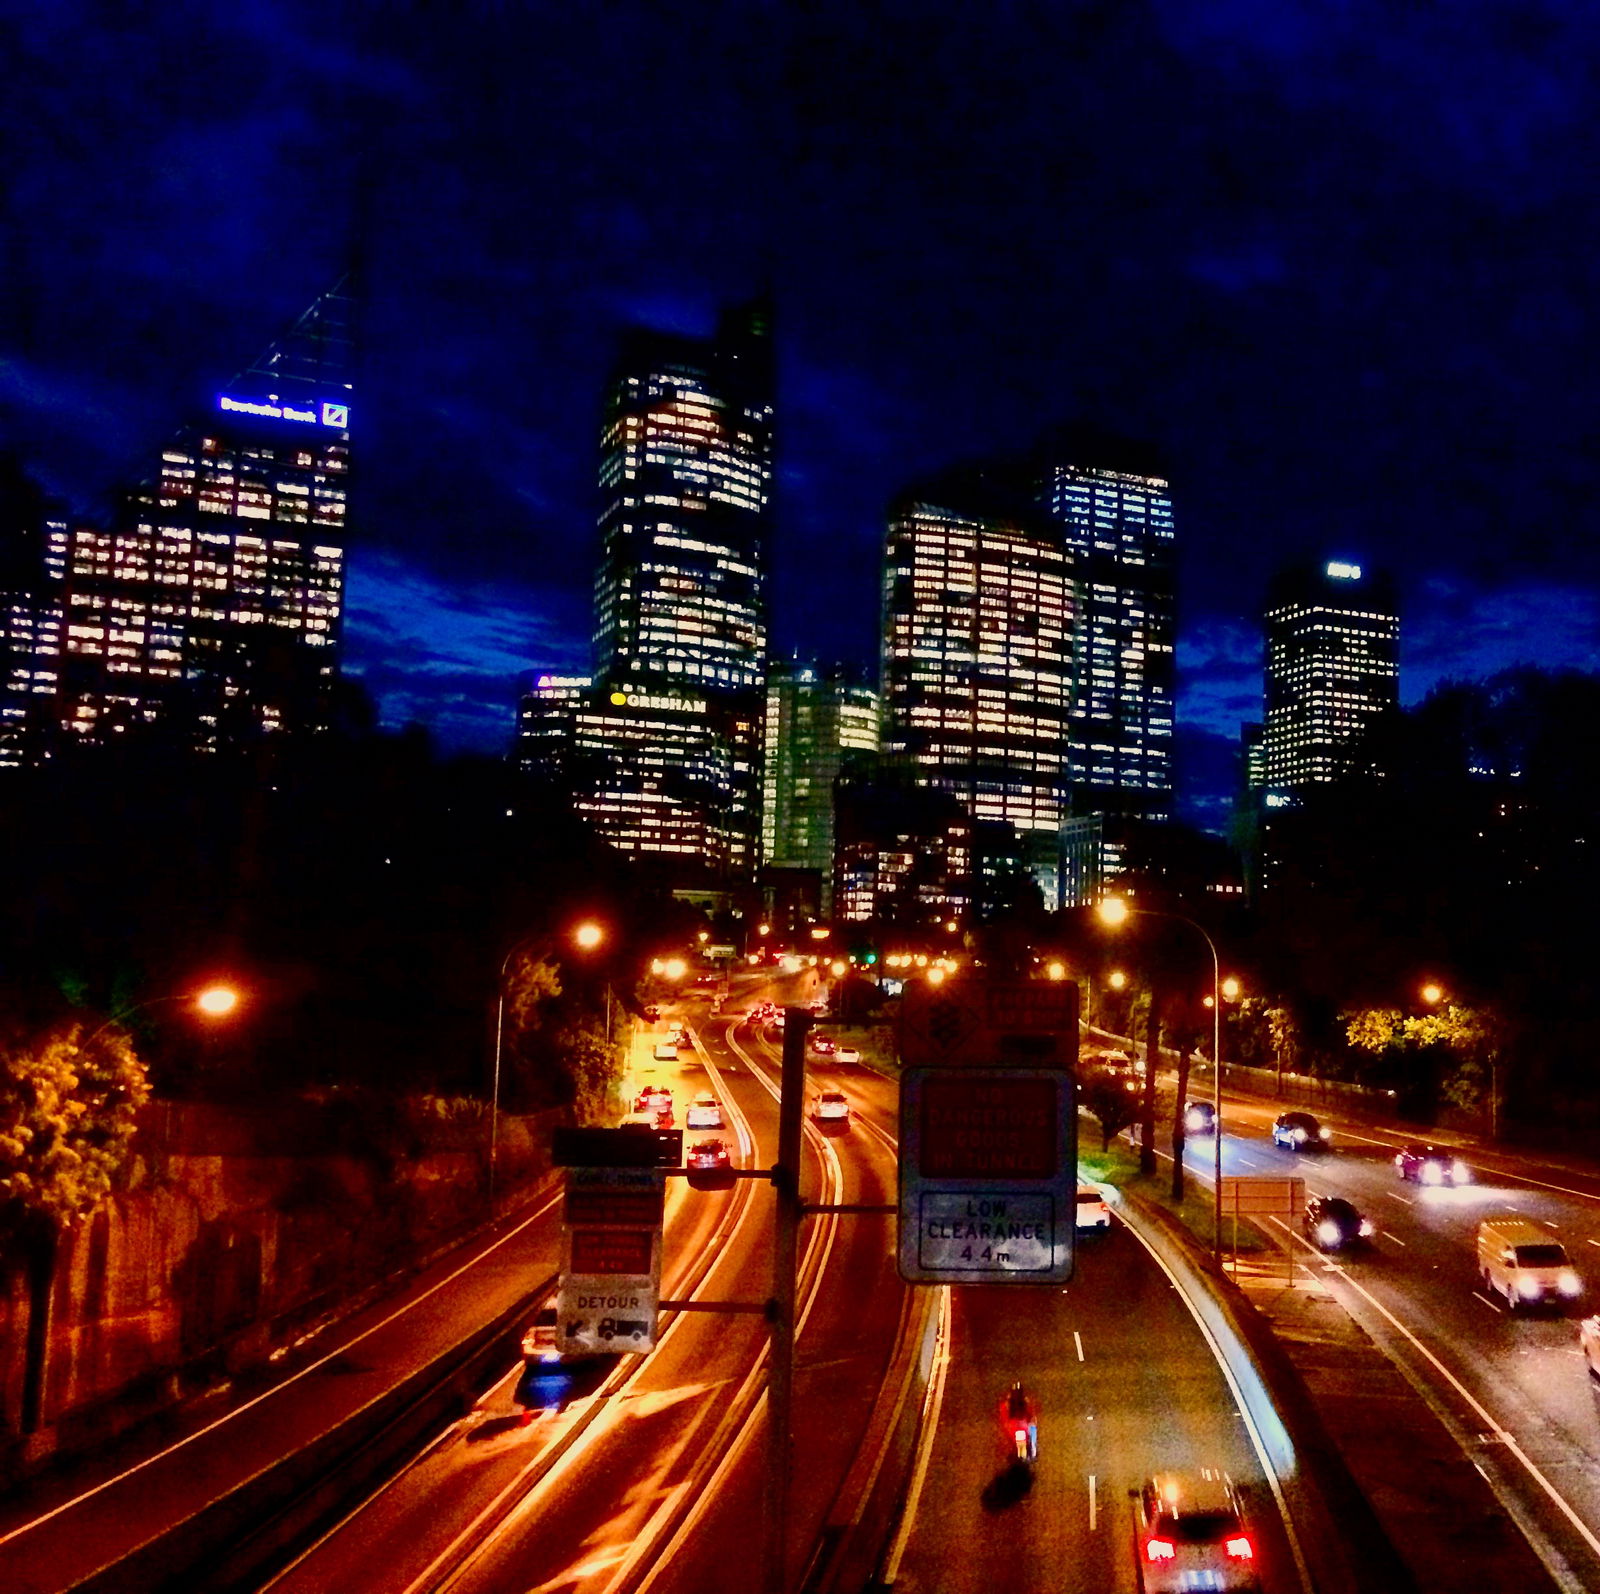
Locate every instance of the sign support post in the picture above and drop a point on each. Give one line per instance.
(785, 1258)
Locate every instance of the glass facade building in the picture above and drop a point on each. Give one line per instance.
(1332, 669)
(662, 748)
(819, 722)
(212, 603)
(978, 614)
(1116, 528)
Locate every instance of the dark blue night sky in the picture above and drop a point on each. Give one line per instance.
(1335, 261)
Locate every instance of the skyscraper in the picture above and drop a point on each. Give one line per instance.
(1114, 514)
(662, 748)
(977, 653)
(818, 721)
(213, 601)
(1333, 667)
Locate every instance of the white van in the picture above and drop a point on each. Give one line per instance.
(1524, 1262)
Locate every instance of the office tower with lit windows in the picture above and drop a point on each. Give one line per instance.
(1113, 512)
(977, 670)
(663, 749)
(30, 615)
(213, 601)
(1332, 670)
(819, 722)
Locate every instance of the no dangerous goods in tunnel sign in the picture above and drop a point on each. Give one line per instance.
(988, 1175)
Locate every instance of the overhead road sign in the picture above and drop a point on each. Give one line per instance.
(610, 1283)
(633, 1147)
(988, 1132)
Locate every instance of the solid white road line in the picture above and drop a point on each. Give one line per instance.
(294, 1378)
(1505, 1436)
(1492, 1305)
(1093, 1522)
(1402, 1198)
(930, 1427)
(1077, 1339)
(1395, 1237)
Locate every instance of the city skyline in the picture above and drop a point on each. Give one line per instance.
(1392, 373)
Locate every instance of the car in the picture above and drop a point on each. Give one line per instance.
(846, 1054)
(1200, 1118)
(705, 1112)
(1589, 1344)
(822, 1045)
(1333, 1223)
(643, 1119)
(1094, 1216)
(652, 1013)
(1191, 1533)
(1427, 1164)
(831, 1104)
(776, 1022)
(551, 1376)
(1525, 1262)
(663, 1116)
(665, 1052)
(1300, 1131)
(708, 1156)
(685, 1041)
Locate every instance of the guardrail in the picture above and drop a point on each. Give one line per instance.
(1339, 1544)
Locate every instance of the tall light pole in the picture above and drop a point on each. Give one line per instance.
(587, 936)
(215, 1001)
(1115, 911)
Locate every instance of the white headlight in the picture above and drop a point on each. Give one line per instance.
(1300, 1136)
(1528, 1287)
(1327, 1134)
(1328, 1232)
(1366, 1227)
(1460, 1173)
(1568, 1282)
(1432, 1173)
(1194, 1120)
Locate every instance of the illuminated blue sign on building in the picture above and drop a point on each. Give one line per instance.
(326, 414)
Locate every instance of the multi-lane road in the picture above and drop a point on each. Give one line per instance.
(1514, 1388)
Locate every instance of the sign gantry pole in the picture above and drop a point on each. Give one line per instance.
(785, 1257)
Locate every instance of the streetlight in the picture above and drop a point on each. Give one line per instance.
(1056, 970)
(215, 1001)
(586, 936)
(1116, 979)
(1432, 994)
(1114, 911)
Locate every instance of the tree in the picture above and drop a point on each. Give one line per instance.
(1110, 1102)
(68, 1104)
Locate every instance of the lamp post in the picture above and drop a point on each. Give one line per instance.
(1114, 911)
(587, 936)
(215, 1001)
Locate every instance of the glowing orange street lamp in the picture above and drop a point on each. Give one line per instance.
(1056, 970)
(217, 1000)
(1432, 994)
(588, 935)
(1116, 979)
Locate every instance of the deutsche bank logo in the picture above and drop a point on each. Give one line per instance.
(336, 415)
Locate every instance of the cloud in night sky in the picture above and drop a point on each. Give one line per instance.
(1334, 262)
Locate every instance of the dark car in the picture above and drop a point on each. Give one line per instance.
(1334, 1224)
(1431, 1165)
(1300, 1131)
(708, 1155)
(1200, 1118)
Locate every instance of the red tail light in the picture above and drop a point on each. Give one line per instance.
(1159, 1550)
(1240, 1548)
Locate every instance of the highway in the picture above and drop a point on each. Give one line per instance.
(1513, 1387)
(655, 1480)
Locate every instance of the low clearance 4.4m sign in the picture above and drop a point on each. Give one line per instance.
(988, 1151)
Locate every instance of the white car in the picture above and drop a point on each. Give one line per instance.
(1094, 1215)
(832, 1105)
(705, 1112)
(846, 1054)
(1589, 1343)
(1191, 1534)
(666, 1052)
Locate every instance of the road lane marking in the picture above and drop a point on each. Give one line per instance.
(1405, 1198)
(1395, 1237)
(1594, 1242)
(932, 1405)
(1077, 1339)
(1494, 1305)
(294, 1378)
(1093, 1522)
(1505, 1435)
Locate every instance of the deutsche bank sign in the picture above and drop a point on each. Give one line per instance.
(324, 414)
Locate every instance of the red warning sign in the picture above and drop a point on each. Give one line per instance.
(984, 1125)
(611, 1251)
